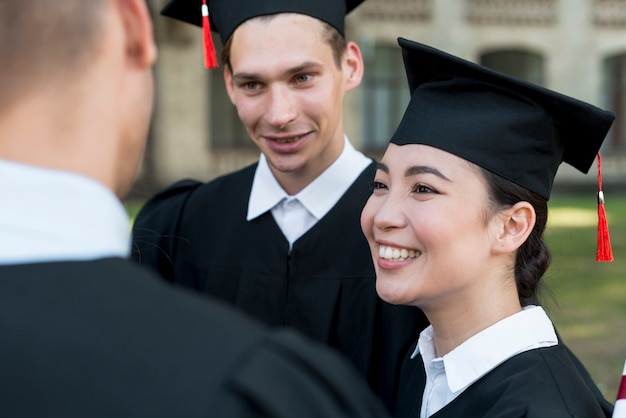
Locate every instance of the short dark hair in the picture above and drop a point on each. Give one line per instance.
(533, 257)
(330, 35)
(40, 39)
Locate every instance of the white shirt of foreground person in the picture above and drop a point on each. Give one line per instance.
(448, 376)
(54, 215)
(297, 214)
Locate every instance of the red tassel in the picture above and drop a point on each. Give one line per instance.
(210, 58)
(604, 252)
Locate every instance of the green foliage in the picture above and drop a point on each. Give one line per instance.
(586, 299)
(133, 207)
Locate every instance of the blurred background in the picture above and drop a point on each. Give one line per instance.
(576, 47)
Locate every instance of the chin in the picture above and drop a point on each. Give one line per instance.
(390, 293)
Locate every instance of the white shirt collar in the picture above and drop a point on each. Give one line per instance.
(531, 328)
(319, 196)
(53, 215)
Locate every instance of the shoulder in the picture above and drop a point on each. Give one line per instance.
(110, 318)
(164, 208)
(255, 371)
(167, 202)
(290, 376)
(542, 381)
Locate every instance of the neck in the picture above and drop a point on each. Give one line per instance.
(455, 321)
(60, 132)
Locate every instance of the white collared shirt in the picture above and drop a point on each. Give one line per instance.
(54, 215)
(297, 214)
(448, 376)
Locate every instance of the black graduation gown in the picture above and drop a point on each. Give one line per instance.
(197, 235)
(105, 339)
(541, 383)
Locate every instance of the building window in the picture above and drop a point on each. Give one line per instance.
(385, 94)
(512, 12)
(615, 96)
(521, 64)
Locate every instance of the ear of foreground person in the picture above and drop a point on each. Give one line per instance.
(103, 338)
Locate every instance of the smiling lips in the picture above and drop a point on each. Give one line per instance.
(287, 140)
(396, 254)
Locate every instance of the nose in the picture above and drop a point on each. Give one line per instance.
(281, 108)
(389, 214)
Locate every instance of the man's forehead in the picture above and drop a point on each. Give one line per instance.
(227, 15)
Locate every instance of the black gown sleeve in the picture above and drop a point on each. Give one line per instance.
(155, 229)
(289, 377)
(607, 407)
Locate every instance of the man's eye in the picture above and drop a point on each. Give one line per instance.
(303, 78)
(250, 85)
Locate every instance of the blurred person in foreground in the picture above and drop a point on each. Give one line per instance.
(280, 239)
(85, 331)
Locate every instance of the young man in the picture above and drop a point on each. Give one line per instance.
(86, 332)
(281, 239)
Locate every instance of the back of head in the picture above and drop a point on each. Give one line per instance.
(44, 43)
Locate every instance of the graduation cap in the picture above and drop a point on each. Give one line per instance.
(224, 16)
(515, 129)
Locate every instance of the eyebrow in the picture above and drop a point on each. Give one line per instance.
(414, 170)
(305, 66)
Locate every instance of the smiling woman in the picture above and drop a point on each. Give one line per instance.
(455, 226)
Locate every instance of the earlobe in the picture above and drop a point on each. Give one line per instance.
(517, 224)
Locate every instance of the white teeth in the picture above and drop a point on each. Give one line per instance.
(287, 140)
(396, 254)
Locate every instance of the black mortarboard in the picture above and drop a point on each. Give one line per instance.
(227, 15)
(510, 127)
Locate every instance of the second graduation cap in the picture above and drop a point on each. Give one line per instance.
(510, 127)
(224, 16)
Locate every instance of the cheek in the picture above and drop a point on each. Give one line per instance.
(367, 217)
(321, 102)
(249, 109)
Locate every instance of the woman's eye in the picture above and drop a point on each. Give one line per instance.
(421, 188)
(377, 185)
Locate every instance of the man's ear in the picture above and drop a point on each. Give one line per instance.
(228, 80)
(352, 65)
(514, 227)
(140, 45)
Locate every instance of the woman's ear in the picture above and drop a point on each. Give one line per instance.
(516, 224)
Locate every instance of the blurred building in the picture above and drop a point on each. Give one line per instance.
(577, 47)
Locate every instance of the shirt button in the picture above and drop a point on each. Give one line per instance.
(437, 365)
